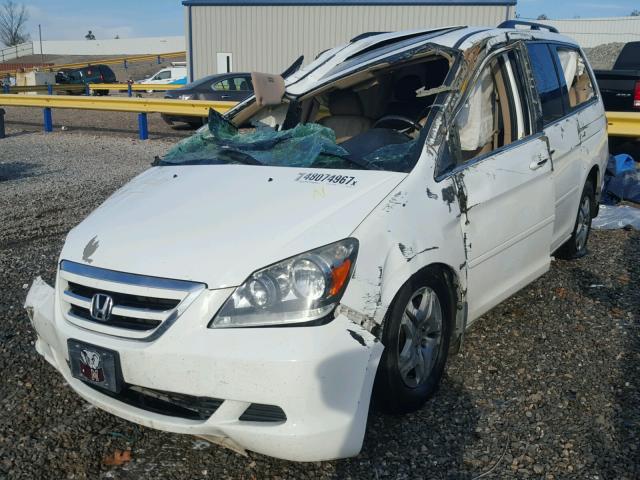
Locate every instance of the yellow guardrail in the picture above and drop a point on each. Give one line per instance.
(134, 86)
(114, 61)
(624, 124)
(195, 108)
(45, 88)
(106, 61)
(76, 87)
(141, 106)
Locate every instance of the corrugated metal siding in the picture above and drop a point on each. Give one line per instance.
(269, 39)
(591, 32)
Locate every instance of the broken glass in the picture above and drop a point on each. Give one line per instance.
(305, 145)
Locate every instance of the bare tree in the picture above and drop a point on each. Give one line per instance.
(543, 17)
(635, 13)
(13, 18)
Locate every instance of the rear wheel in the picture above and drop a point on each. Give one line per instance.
(576, 246)
(416, 336)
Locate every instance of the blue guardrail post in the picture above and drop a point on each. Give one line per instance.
(49, 89)
(6, 87)
(87, 89)
(2, 133)
(143, 126)
(129, 90)
(48, 121)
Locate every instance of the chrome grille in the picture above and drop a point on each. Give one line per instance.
(143, 306)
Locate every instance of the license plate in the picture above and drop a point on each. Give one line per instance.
(95, 365)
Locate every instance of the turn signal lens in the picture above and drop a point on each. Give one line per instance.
(339, 276)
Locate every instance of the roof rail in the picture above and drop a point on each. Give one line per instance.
(531, 25)
(365, 35)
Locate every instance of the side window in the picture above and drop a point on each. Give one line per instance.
(224, 85)
(547, 82)
(242, 84)
(495, 113)
(163, 75)
(576, 76)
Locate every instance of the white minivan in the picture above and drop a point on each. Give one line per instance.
(176, 74)
(385, 197)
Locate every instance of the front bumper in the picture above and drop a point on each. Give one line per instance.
(321, 376)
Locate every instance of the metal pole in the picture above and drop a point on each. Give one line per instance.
(87, 89)
(2, 132)
(143, 126)
(48, 121)
(129, 89)
(49, 89)
(40, 35)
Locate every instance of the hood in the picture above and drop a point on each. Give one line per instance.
(219, 223)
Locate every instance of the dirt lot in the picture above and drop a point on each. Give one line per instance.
(134, 70)
(547, 386)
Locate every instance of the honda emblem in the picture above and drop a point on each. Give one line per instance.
(101, 306)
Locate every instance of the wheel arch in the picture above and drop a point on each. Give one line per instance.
(594, 177)
(457, 301)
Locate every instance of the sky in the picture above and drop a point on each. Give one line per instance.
(573, 9)
(71, 19)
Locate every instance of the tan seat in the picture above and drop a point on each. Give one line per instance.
(347, 115)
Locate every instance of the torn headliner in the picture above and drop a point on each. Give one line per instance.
(353, 77)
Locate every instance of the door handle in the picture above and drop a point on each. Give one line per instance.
(538, 163)
(224, 96)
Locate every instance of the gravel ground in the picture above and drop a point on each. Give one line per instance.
(547, 384)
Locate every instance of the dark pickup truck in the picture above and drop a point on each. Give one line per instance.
(620, 87)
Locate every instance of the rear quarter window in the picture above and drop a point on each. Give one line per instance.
(576, 77)
(548, 85)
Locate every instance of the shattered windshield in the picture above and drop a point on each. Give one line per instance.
(374, 119)
(305, 145)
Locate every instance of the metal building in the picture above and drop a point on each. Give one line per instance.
(267, 36)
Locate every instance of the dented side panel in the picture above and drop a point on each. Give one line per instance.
(415, 226)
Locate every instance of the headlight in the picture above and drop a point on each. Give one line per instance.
(301, 289)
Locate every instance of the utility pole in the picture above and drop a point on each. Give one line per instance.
(40, 35)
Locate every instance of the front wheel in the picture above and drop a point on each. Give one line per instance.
(576, 246)
(416, 336)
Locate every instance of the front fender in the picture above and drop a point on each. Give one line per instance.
(417, 225)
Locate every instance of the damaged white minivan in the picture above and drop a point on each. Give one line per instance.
(330, 239)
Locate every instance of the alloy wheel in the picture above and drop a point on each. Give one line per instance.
(420, 337)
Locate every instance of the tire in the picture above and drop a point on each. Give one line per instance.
(576, 246)
(411, 368)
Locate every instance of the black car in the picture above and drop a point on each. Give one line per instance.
(84, 75)
(231, 87)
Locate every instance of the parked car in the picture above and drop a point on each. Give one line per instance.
(620, 87)
(84, 75)
(176, 74)
(393, 191)
(232, 87)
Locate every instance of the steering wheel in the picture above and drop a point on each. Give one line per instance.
(411, 125)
